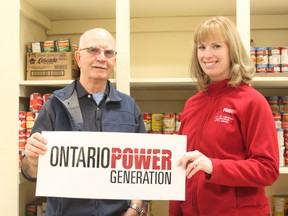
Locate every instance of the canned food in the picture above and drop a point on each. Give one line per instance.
(21, 155)
(28, 133)
(74, 48)
(283, 104)
(261, 59)
(63, 45)
(49, 46)
(281, 156)
(273, 59)
(277, 116)
(30, 118)
(274, 108)
(253, 55)
(169, 123)
(177, 122)
(285, 121)
(278, 124)
(147, 121)
(37, 46)
(280, 205)
(22, 143)
(29, 47)
(284, 55)
(31, 209)
(22, 120)
(286, 138)
(36, 102)
(284, 59)
(280, 136)
(157, 122)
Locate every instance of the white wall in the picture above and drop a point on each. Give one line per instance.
(9, 55)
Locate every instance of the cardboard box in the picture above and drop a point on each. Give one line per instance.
(51, 66)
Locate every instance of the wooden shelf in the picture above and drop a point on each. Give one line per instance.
(283, 170)
(274, 80)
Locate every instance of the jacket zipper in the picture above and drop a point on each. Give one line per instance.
(199, 135)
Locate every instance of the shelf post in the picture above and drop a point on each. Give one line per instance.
(243, 21)
(123, 45)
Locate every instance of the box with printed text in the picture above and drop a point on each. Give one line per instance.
(51, 66)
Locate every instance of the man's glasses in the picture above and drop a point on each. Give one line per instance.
(109, 53)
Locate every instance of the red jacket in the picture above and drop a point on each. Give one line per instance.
(235, 128)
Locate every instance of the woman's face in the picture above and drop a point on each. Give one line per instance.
(214, 59)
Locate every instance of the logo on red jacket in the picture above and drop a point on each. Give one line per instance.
(225, 116)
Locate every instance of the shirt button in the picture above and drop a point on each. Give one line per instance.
(89, 96)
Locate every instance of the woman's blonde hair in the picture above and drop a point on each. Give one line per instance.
(223, 29)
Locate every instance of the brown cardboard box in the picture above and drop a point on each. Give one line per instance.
(51, 66)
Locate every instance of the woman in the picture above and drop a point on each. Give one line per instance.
(232, 149)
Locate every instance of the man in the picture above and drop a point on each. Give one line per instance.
(90, 103)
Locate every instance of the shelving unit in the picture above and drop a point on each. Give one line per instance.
(160, 52)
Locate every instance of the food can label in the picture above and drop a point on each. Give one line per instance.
(36, 102)
(284, 55)
(63, 45)
(280, 204)
(147, 121)
(49, 46)
(169, 122)
(157, 122)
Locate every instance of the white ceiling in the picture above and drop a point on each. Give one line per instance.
(95, 9)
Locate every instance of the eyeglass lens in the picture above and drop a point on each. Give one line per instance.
(97, 51)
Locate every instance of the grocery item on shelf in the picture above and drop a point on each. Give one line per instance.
(280, 205)
(162, 123)
(270, 59)
(273, 59)
(261, 59)
(37, 207)
(284, 58)
(51, 66)
(279, 109)
(62, 45)
(36, 102)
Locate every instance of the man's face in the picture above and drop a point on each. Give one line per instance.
(97, 57)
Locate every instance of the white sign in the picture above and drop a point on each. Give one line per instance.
(112, 166)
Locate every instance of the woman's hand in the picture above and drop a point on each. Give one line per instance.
(194, 161)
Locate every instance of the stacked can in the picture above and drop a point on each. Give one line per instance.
(22, 129)
(177, 122)
(157, 123)
(147, 121)
(49, 46)
(284, 59)
(273, 59)
(21, 155)
(273, 103)
(36, 102)
(162, 123)
(261, 59)
(37, 207)
(253, 55)
(30, 119)
(283, 104)
(286, 138)
(74, 48)
(280, 205)
(63, 45)
(169, 123)
(283, 107)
